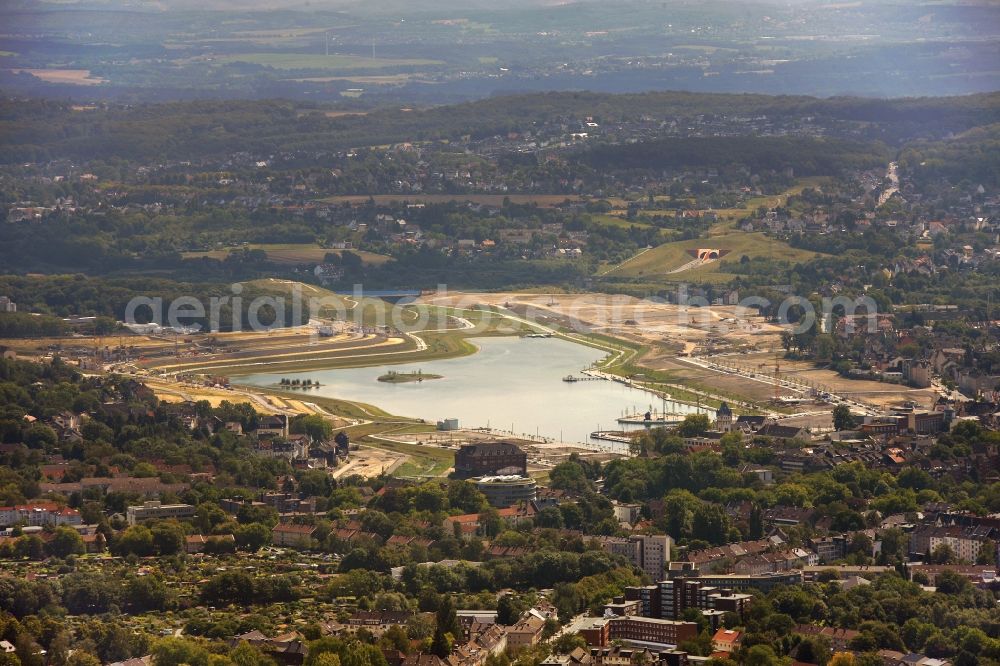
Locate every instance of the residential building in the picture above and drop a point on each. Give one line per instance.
(39, 514)
(527, 632)
(965, 543)
(274, 425)
(156, 511)
(649, 552)
(839, 638)
(288, 534)
(726, 640)
(648, 597)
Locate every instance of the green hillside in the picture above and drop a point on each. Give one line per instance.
(660, 261)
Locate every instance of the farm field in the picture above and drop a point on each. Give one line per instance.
(79, 77)
(290, 253)
(370, 79)
(332, 62)
(542, 200)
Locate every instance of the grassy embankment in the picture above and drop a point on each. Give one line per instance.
(624, 360)
(652, 268)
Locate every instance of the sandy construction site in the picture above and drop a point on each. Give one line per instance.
(369, 462)
(688, 329)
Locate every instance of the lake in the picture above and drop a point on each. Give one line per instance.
(511, 384)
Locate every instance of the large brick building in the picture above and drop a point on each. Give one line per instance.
(490, 458)
(642, 630)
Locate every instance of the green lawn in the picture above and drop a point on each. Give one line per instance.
(424, 460)
(318, 61)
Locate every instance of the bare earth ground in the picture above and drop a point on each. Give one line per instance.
(666, 329)
(644, 321)
(878, 393)
(369, 462)
(542, 455)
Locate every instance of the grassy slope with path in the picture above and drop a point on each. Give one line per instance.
(657, 263)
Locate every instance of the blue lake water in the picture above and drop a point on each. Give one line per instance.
(513, 384)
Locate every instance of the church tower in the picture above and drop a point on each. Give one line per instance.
(724, 418)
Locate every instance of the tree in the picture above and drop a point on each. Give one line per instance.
(569, 475)
(230, 587)
(710, 523)
(843, 419)
(326, 659)
(314, 425)
(65, 541)
(174, 651)
(943, 554)
(82, 658)
(168, 538)
(146, 593)
(950, 582)
(136, 540)
(245, 654)
(448, 629)
(761, 655)
(252, 537)
(756, 525)
(569, 642)
(90, 593)
(508, 612)
(694, 425)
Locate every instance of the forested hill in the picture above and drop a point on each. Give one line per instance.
(808, 156)
(39, 130)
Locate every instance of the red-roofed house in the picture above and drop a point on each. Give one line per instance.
(287, 534)
(726, 640)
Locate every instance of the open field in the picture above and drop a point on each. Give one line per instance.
(423, 461)
(77, 77)
(541, 200)
(368, 80)
(370, 462)
(661, 262)
(882, 394)
(319, 61)
(729, 216)
(629, 318)
(289, 253)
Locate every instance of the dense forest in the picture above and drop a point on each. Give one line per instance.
(66, 295)
(37, 130)
(807, 156)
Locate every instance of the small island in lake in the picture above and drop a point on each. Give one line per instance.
(394, 377)
(298, 383)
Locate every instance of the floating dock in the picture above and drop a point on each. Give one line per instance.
(669, 418)
(617, 436)
(581, 378)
